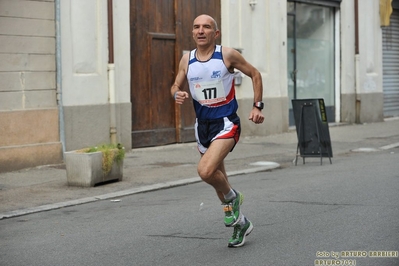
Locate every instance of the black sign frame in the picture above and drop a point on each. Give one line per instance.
(312, 129)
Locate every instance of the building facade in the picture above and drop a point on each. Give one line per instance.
(70, 73)
(29, 116)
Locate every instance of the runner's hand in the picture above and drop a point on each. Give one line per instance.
(180, 96)
(256, 116)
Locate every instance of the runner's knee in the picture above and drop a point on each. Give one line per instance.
(205, 172)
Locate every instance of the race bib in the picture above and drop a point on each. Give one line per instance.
(210, 92)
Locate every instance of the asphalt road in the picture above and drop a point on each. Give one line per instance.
(301, 214)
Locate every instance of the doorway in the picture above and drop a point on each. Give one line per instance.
(160, 32)
(310, 55)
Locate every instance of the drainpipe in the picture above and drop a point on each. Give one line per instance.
(59, 75)
(357, 64)
(111, 73)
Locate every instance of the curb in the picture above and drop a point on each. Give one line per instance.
(166, 185)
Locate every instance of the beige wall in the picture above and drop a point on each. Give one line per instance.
(29, 111)
(29, 128)
(261, 33)
(361, 75)
(86, 85)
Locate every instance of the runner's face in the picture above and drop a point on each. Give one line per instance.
(204, 32)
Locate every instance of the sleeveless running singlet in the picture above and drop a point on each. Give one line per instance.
(211, 86)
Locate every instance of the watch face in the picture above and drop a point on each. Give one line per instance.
(259, 105)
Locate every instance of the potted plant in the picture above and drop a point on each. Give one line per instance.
(91, 166)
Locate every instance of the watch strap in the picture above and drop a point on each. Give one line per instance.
(259, 105)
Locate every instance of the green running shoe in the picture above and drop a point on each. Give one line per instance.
(239, 234)
(232, 210)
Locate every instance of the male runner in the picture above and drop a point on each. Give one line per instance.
(209, 71)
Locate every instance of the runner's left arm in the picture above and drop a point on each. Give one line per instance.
(234, 59)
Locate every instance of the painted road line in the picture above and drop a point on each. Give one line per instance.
(391, 146)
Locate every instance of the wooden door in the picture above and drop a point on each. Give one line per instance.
(160, 32)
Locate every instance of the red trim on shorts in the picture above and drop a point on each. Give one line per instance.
(232, 134)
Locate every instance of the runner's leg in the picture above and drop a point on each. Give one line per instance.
(211, 167)
(223, 170)
(211, 170)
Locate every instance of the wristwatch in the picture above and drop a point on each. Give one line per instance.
(259, 105)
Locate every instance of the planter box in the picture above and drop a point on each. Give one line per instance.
(85, 169)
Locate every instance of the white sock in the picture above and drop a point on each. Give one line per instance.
(230, 196)
(241, 222)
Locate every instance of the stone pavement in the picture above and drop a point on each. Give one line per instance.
(145, 169)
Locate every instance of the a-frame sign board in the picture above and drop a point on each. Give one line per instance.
(312, 129)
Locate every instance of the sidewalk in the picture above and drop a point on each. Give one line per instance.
(45, 188)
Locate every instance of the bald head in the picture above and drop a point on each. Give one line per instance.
(209, 18)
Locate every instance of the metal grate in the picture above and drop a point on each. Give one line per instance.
(390, 52)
